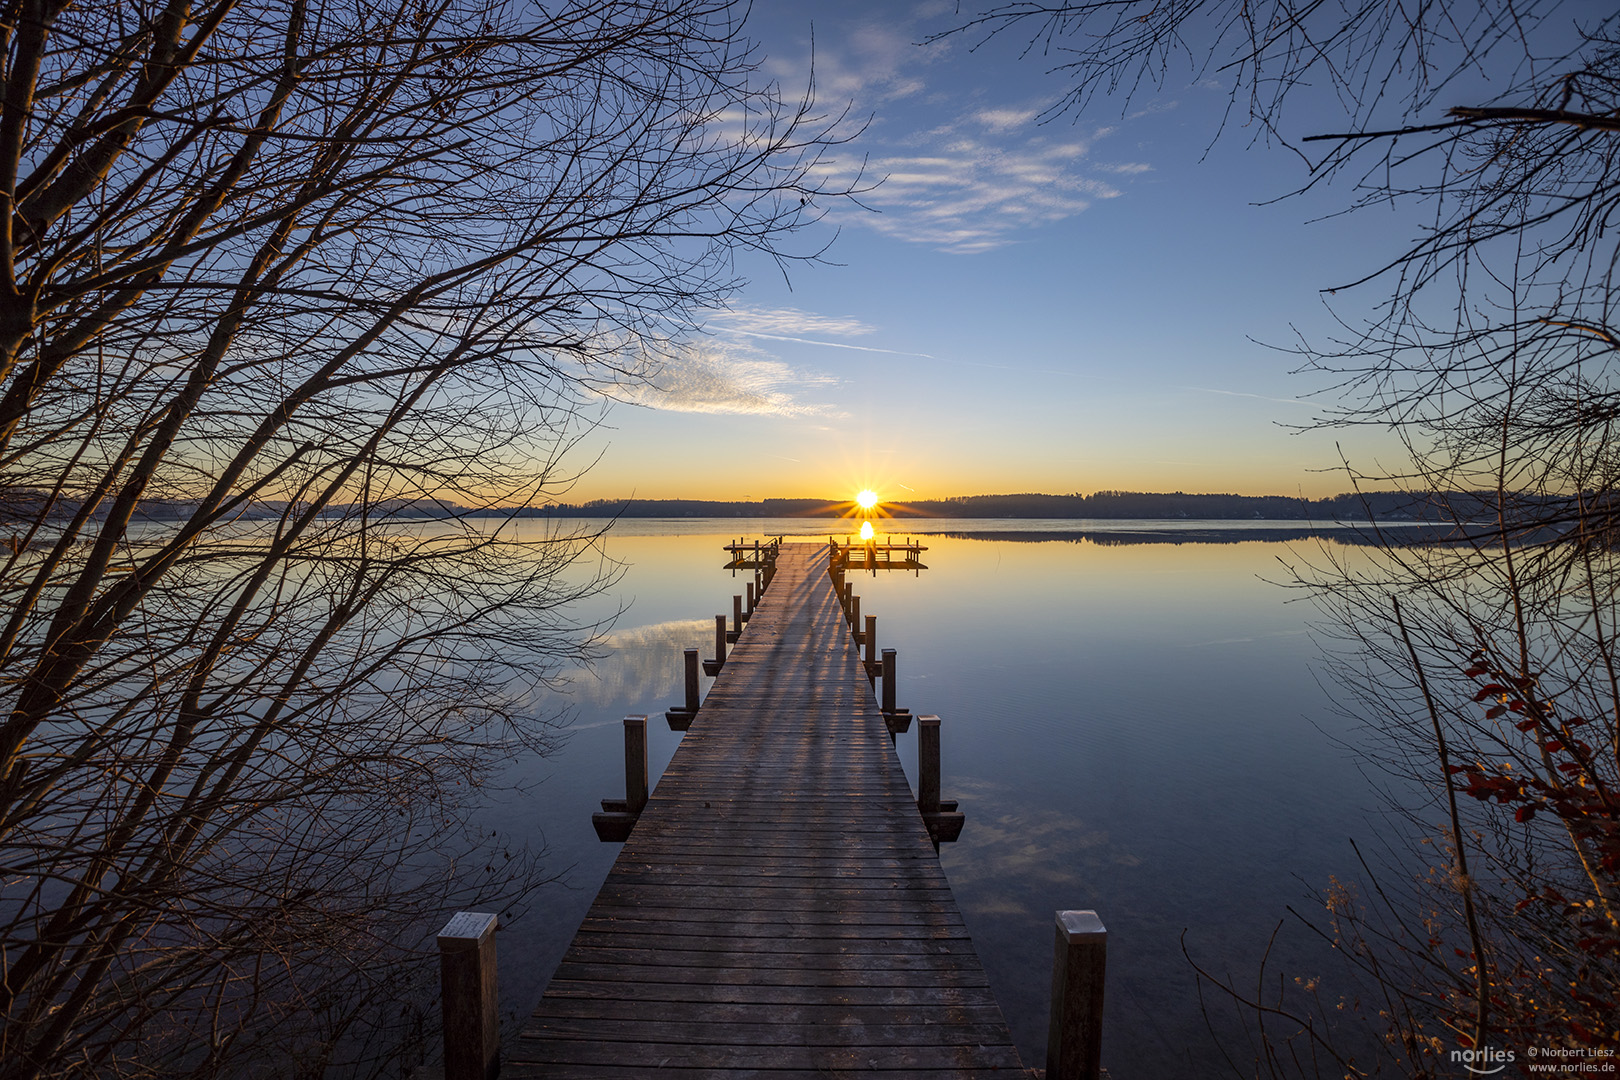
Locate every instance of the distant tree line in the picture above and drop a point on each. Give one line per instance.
(19, 503)
(1399, 505)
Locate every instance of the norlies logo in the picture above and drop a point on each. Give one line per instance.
(1485, 1061)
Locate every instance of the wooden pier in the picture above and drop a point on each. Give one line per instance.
(778, 907)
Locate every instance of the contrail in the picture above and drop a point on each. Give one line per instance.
(1239, 393)
(828, 344)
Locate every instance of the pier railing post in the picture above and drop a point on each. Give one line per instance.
(736, 617)
(1074, 1035)
(468, 997)
(692, 681)
(855, 617)
(752, 599)
(928, 764)
(888, 680)
(635, 763)
(871, 648)
(719, 642)
(680, 719)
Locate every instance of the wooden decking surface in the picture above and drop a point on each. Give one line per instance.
(779, 909)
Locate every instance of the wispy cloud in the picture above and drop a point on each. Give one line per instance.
(961, 168)
(790, 321)
(971, 194)
(789, 324)
(727, 377)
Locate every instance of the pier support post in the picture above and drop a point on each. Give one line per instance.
(712, 667)
(736, 619)
(753, 601)
(681, 719)
(871, 648)
(619, 816)
(1074, 1035)
(928, 764)
(943, 820)
(855, 617)
(467, 989)
(889, 663)
(635, 763)
(897, 719)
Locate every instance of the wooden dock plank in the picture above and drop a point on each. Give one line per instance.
(778, 906)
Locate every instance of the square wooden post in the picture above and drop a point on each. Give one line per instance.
(692, 681)
(871, 648)
(855, 616)
(889, 676)
(468, 999)
(1074, 1033)
(928, 764)
(635, 763)
(719, 641)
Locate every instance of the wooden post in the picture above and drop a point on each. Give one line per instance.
(635, 763)
(928, 764)
(888, 680)
(692, 681)
(871, 648)
(1074, 1035)
(752, 599)
(736, 614)
(719, 642)
(855, 616)
(472, 1030)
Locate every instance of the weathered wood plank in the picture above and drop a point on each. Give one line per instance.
(652, 1055)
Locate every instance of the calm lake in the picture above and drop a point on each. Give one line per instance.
(1131, 720)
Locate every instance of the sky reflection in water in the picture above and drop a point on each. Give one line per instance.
(1133, 728)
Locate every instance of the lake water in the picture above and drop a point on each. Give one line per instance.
(1134, 727)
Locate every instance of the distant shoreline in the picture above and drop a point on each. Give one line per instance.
(1392, 506)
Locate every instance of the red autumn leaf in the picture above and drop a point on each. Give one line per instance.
(1494, 711)
(1526, 725)
(1488, 689)
(1524, 813)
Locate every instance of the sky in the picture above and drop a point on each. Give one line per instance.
(1071, 304)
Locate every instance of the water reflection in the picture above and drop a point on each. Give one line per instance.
(1133, 728)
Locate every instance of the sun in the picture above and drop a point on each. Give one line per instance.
(867, 499)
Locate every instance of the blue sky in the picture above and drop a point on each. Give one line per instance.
(1074, 305)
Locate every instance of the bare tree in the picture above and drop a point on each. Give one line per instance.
(286, 287)
(1487, 663)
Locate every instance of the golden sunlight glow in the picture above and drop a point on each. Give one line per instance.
(866, 530)
(867, 499)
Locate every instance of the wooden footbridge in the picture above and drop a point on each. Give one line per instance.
(778, 908)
